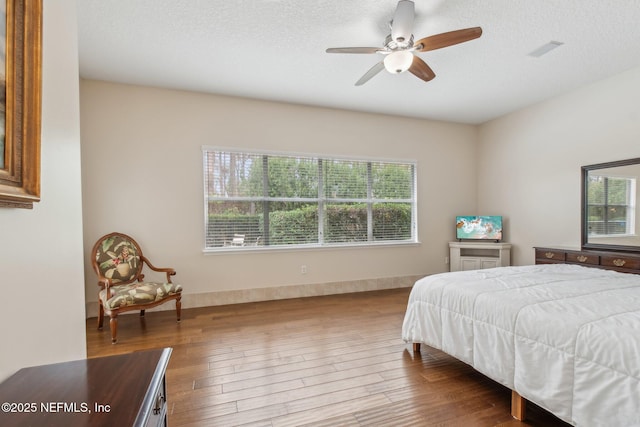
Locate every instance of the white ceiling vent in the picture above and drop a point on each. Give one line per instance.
(545, 48)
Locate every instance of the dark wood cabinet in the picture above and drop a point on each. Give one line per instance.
(618, 261)
(123, 390)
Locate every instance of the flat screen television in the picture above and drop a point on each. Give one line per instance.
(479, 228)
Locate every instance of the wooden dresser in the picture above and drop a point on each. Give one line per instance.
(619, 261)
(123, 390)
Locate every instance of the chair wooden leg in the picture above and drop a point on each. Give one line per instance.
(178, 307)
(141, 313)
(416, 347)
(100, 315)
(113, 324)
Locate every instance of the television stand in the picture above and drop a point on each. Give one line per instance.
(478, 255)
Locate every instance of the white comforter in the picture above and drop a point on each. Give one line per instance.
(565, 337)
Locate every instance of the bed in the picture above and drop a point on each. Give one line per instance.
(565, 337)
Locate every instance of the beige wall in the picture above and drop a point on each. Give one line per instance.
(142, 174)
(41, 253)
(529, 161)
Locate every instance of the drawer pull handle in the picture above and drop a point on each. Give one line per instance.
(549, 254)
(157, 407)
(619, 262)
(582, 258)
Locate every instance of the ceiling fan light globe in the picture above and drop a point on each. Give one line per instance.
(398, 62)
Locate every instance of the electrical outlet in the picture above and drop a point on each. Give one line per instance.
(303, 269)
(446, 260)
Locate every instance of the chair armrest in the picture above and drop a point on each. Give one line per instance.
(170, 271)
(105, 283)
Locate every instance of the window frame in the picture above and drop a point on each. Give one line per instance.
(320, 200)
(630, 207)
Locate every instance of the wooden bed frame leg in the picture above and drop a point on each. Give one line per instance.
(416, 347)
(518, 406)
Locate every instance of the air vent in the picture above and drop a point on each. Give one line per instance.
(545, 48)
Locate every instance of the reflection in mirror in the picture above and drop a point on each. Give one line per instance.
(610, 219)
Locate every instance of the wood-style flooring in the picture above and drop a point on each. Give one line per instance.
(322, 361)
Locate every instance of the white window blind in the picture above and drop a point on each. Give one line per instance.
(273, 200)
(612, 205)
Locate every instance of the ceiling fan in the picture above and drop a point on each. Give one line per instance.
(399, 47)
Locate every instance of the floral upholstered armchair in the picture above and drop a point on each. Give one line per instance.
(117, 260)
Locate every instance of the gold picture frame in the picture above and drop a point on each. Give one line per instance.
(21, 104)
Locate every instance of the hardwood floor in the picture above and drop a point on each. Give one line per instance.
(321, 361)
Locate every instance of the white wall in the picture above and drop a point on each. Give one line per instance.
(529, 161)
(142, 175)
(41, 253)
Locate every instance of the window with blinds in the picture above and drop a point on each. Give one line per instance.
(274, 200)
(612, 205)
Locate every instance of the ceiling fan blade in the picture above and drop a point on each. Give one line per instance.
(402, 24)
(369, 74)
(354, 50)
(439, 41)
(420, 69)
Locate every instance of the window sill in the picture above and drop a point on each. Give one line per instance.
(297, 248)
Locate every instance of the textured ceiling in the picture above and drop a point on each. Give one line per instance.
(275, 50)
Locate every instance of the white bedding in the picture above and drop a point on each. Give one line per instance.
(565, 337)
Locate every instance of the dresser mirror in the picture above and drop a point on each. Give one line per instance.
(610, 219)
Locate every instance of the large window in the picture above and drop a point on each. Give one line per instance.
(611, 210)
(268, 200)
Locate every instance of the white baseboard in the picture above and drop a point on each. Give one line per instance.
(209, 299)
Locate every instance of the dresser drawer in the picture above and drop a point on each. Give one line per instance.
(620, 261)
(583, 258)
(550, 255)
(609, 260)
